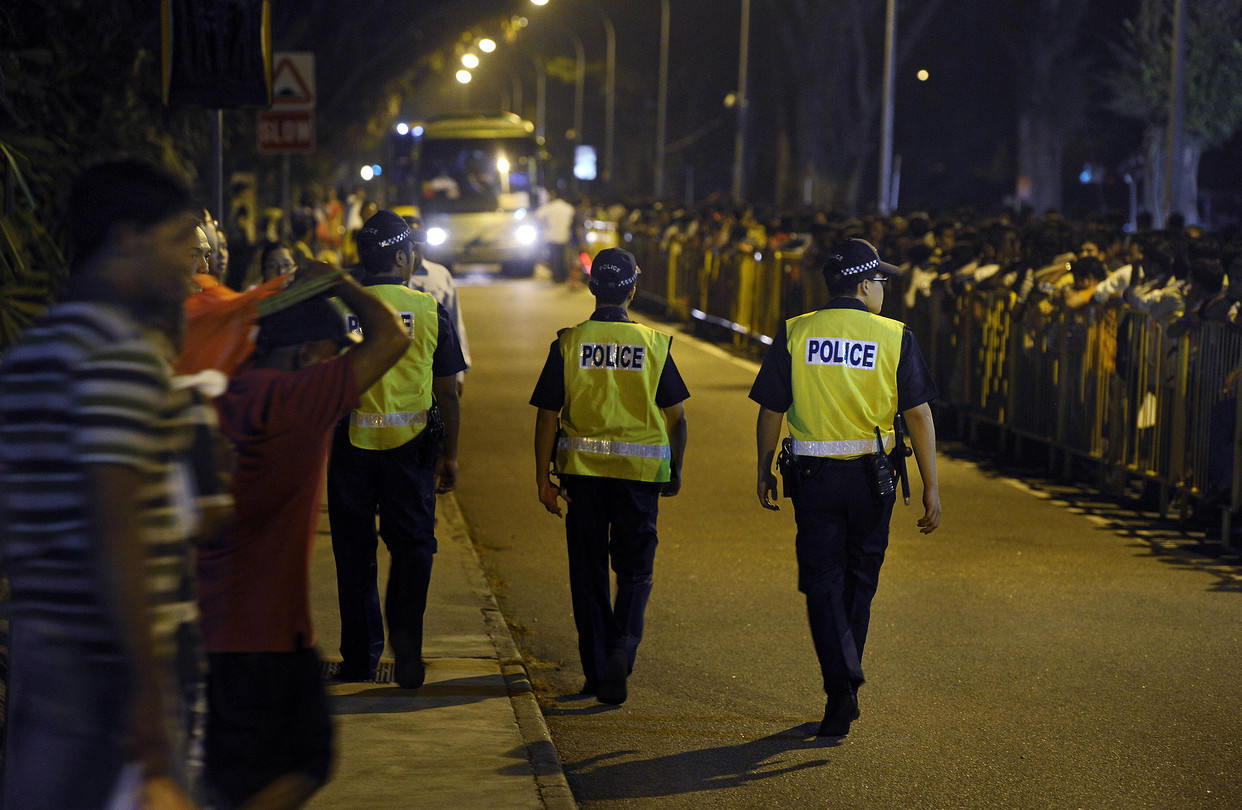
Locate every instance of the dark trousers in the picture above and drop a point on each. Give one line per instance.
(66, 718)
(842, 537)
(268, 718)
(609, 520)
(398, 485)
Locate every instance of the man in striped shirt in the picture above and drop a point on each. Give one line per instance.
(96, 505)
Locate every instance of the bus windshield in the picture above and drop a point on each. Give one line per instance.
(462, 175)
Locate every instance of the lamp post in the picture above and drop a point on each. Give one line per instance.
(610, 86)
(739, 151)
(662, 99)
(886, 126)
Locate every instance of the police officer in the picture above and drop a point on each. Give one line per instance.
(612, 385)
(391, 456)
(841, 375)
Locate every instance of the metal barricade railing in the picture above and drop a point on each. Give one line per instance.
(1108, 384)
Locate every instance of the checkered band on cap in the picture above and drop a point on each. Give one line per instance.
(625, 282)
(390, 241)
(853, 271)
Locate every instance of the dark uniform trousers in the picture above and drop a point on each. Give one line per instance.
(399, 484)
(609, 518)
(842, 536)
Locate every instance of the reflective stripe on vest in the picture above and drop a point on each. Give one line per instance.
(610, 448)
(393, 411)
(383, 420)
(844, 381)
(611, 426)
(843, 448)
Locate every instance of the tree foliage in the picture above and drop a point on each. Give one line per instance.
(1213, 67)
(1141, 89)
(836, 76)
(65, 102)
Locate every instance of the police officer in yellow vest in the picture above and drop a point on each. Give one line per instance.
(841, 375)
(391, 456)
(616, 393)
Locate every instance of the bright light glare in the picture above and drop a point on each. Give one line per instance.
(417, 132)
(539, 2)
(376, 169)
(502, 165)
(592, 236)
(403, 128)
(463, 76)
(922, 75)
(470, 60)
(526, 234)
(367, 172)
(487, 45)
(436, 236)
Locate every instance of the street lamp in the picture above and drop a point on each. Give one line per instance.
(610, 86)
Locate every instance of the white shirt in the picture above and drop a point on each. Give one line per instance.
(557, 218)
(435, 280)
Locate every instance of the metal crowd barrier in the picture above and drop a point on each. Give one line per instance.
(1104, 383)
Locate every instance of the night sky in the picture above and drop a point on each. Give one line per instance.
(955, 132)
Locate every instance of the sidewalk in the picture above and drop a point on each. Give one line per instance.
(473, 735)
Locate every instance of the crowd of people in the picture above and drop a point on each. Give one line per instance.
(1175, 273)
(161, 652)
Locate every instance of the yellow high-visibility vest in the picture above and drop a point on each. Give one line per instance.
(844, 381)
(611, 426)
(394, 410)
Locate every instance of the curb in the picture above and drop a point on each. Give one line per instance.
(548, 772)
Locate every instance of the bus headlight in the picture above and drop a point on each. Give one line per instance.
(526, 234)
(436, 236)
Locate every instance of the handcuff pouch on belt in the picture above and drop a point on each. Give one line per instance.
(429, 442)
(883, 476)
(787, 463)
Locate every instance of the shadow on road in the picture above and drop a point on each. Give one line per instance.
(617, 776)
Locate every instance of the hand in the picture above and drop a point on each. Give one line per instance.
(931, 512)
(445, 475)
(548, 494)
(670, 487)
(162, 793)
(767, 491)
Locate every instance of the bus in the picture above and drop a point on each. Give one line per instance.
(477, 181)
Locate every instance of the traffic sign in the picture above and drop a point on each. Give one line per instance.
(290, 125)
(293, 80)
(286, 131)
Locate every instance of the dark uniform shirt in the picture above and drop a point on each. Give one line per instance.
(773, 388)
(447, 359)
(550, 390)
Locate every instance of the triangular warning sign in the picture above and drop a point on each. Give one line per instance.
(288, 85)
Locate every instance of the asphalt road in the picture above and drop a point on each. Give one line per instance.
(1038, 651)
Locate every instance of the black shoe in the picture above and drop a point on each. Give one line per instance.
(588, 688)
(839, 712)
(612, 684)
(409, 674)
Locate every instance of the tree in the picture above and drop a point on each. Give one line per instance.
(1041, 35)
(67, 101)
(1213, 96)
(836, 49)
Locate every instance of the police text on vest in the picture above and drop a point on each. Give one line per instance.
(354, 325)
(612, 356)
(841, 352)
